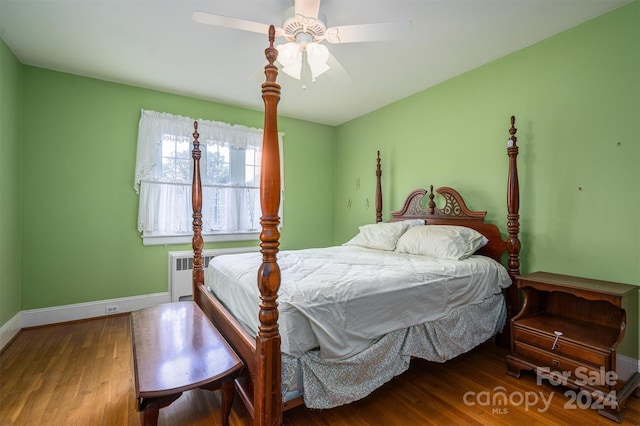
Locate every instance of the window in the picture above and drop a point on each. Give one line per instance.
(230, 170)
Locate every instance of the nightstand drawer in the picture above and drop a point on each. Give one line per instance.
(578, 352)
(555, 362)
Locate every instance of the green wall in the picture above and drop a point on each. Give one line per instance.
(80, 210)
(576, 98)
(10, 185)
(576, 101)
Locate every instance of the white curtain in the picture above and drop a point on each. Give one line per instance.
(165, 205)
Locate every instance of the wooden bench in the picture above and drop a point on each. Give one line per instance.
(175, 349)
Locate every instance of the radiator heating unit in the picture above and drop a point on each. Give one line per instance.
(181, 269)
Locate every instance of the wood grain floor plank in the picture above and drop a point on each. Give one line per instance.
(80, 373)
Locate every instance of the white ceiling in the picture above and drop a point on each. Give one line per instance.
(155, 44)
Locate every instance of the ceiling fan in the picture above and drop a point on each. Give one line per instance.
(304, 29)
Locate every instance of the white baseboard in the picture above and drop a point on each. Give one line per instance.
(78, 311)
(626, 366)
(9, 330)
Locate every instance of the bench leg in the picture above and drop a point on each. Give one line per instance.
(149, 416)
(150, 408)
(227, 389)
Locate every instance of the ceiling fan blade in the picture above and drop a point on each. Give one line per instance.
(225, 21)
(337, 73)
(307, 8)
(369, 32)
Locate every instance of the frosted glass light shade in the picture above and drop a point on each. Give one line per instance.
(317, 57)
(290, 56)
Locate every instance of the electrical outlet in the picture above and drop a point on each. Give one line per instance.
(111, 309)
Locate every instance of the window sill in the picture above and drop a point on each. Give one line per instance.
(163, 240)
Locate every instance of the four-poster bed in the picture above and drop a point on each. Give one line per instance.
(386, 348)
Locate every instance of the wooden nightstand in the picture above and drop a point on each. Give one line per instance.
(569, 331)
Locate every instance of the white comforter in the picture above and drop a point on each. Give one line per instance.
(342, 298)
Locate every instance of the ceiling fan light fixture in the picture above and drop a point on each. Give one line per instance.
(290, 57)
(317, 57)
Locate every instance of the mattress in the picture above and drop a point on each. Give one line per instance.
(341, 299)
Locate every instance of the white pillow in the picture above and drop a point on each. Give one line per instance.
(413, 222)
(441, 241)
(381, 236)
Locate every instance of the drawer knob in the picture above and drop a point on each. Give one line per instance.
(555, 342)
(555, 363)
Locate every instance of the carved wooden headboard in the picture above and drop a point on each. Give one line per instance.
(420, 204)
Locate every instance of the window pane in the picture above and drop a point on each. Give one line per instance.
(168, 169)
(168, 146)
(183, 150)
(236, 157)
(176, 159)
(183, 170)
(252, 167)
(217, 166)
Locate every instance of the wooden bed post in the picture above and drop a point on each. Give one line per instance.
(196, 200)
(267, 389)
(513, 226)
(378, 190)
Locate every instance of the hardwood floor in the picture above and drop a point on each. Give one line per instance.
(80, 373)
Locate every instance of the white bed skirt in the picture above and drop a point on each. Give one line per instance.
(331, 383)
